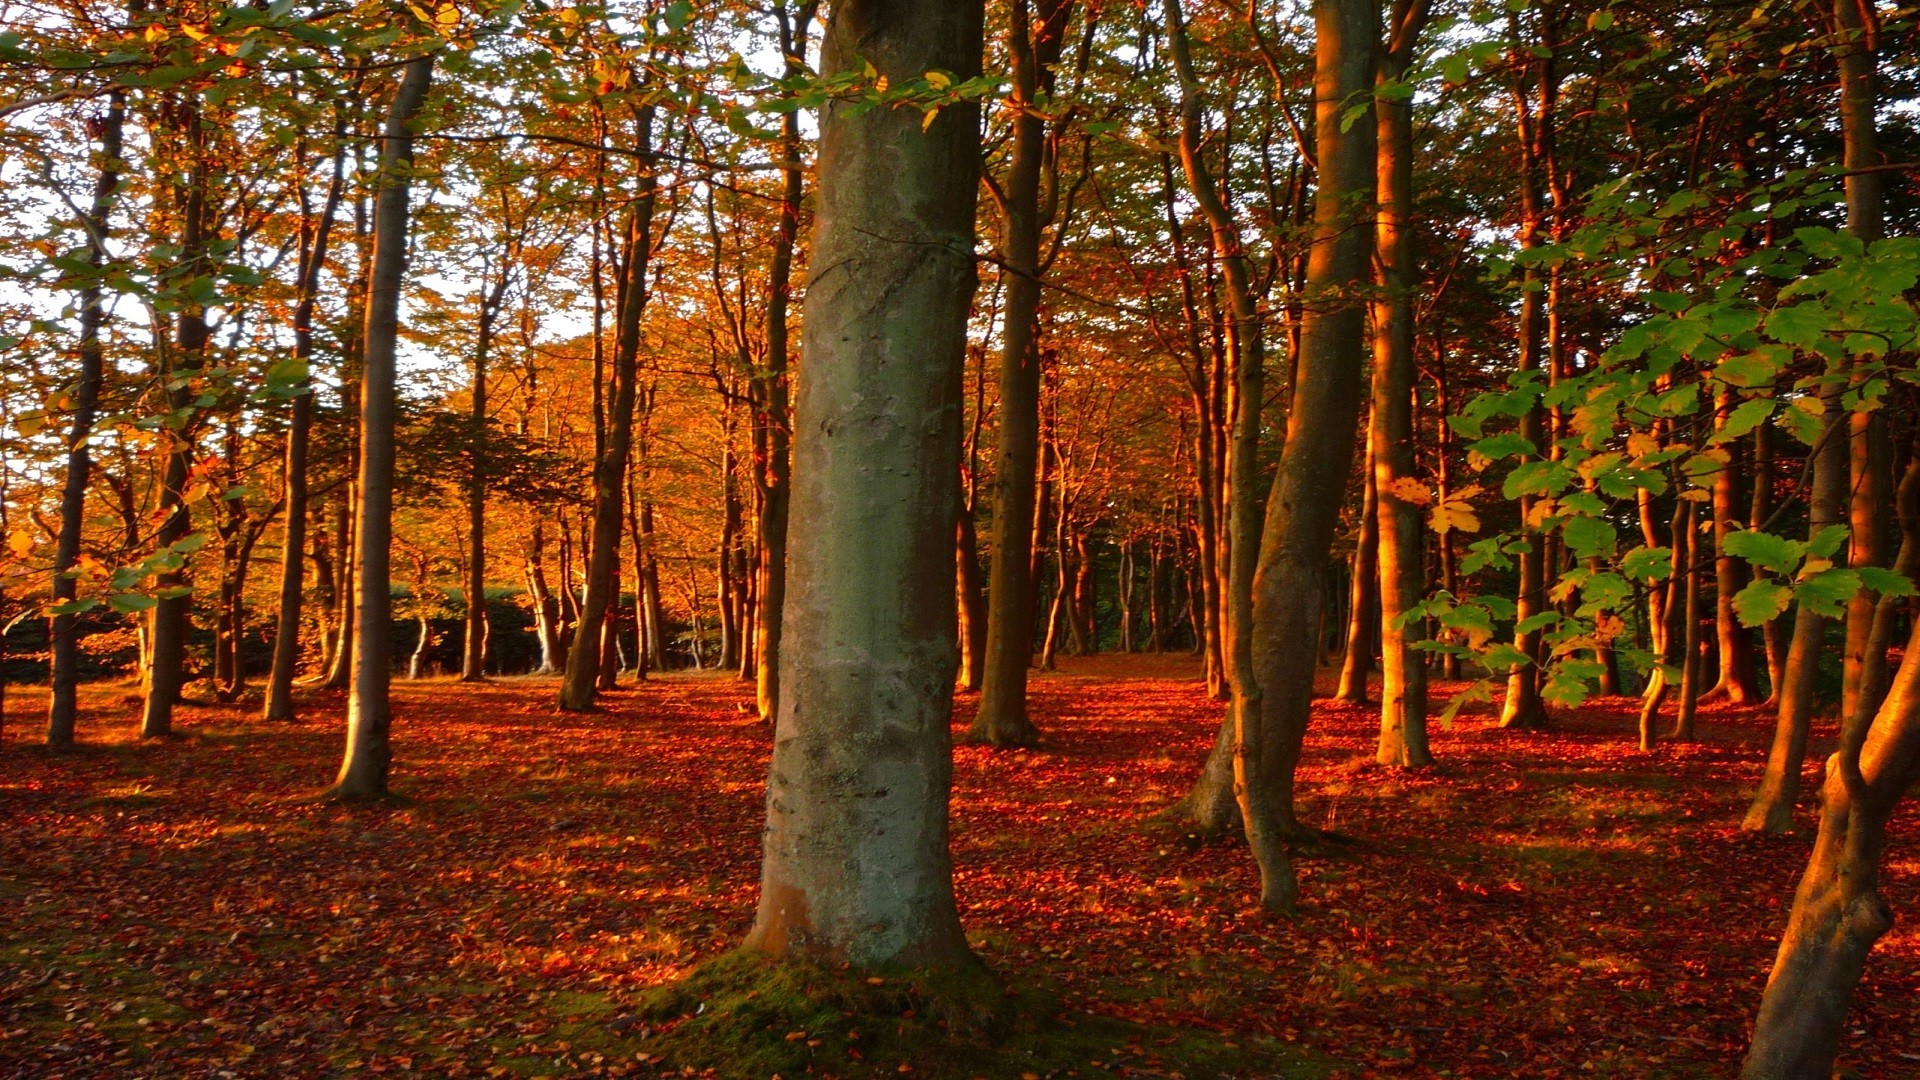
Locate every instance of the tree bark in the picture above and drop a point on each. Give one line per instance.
(857, 867)
(1002, 718)
(775, 474)
(1303, 507)
(1363, 596)
(1773, 804)
(293, 545)
(63, 630)
(169, 625)
(577, 686)
(365, 765)
(1734, 644)
(1403, 668)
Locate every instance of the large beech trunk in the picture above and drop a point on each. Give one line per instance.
(856, 865)
(63, 632)
(1403, 669)
(364, 766)
(1838, 912)
(1002, 718)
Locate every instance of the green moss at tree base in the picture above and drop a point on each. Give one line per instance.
(745, 1016)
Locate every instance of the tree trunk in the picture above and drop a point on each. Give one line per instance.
(169, 625)
(775, 475)
(1773, 634)
(972, 598)
(1691, 662)
(1363, 603)
(1002, 718)
(1522, 707)
(856, 867)
(1773, 803)
(610, 472)
(1838, 913)
(286, 640)
(63, 629)
(1401, 535)
(364, 766)
(1734, 644)
(473, 646)
(1303, 508)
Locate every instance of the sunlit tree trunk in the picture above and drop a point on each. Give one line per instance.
(1002, 719)
(364, 766)
(316, 230)
(1363, 596)
(774, 473)
(1403, 669)
(1734, 644)
(169, 624)
(856, 862)
(63, 629)
(577, 686)
(1273, 700)
(1773, 804)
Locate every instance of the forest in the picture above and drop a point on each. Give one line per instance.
(969, 538)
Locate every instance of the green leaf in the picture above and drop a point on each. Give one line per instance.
(1765, 550)
(1826, 543)
(1589, 536)
(1885, 582)
(678, 14)
(1501, 446)
(1537, 478)
(1801, 324)
(1744, 418)
(1827, 592)
(1761, 602)
(1648, 564)
(128, 603)
(1537, 621)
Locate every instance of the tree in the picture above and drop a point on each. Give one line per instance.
(1034, 41)
(364, 766)
(856, 866)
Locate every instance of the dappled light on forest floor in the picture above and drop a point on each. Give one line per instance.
(1539, 904)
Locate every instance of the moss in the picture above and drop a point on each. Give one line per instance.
(745, 1016)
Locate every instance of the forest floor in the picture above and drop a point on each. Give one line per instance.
(1539, 905)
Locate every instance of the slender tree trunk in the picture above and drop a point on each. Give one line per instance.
(1773, 634)
(364, 766)
(63, 629)
(1773, 804)
(286, 639)
(169, 624)
(1664, 609)
(610, 472)
(1691, 662)
(972, 599)
(856, 863)
(473, 646)
(1403, 668)
(1002, 718)
(1363, 602)
(1303, 508)
(1734, 644)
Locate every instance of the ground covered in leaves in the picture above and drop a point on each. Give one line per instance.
(1538, 905)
